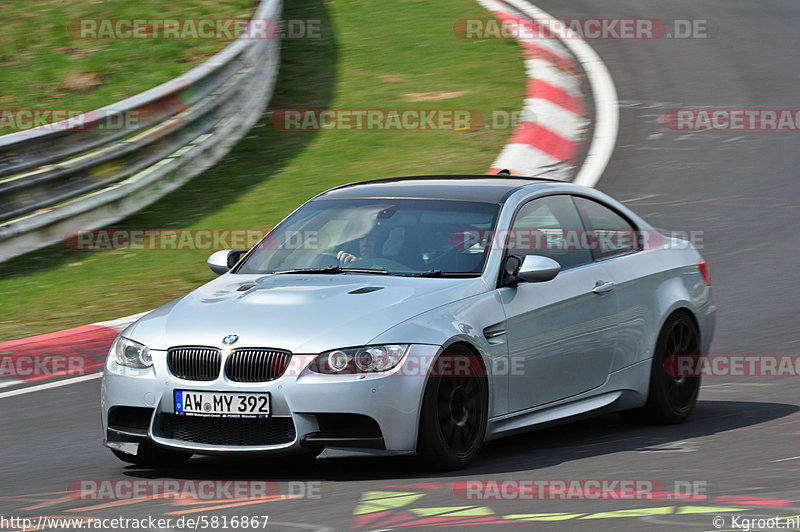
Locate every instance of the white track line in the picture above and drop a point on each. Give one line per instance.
(606, 124)
(786, 459)
(48, 385)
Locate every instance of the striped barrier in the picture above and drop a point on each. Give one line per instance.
(553, 122)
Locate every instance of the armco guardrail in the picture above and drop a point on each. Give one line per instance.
(88, 172)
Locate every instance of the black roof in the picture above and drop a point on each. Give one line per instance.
(483, 188)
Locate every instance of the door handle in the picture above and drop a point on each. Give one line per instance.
(601, 287)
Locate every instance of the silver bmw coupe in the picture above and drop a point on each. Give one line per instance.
(416, 315)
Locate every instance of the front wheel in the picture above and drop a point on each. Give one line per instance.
(150, 455)
(672, 398)
(454, 412)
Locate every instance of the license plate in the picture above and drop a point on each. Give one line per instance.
(222, 404)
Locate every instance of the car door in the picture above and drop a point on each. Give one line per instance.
(561, 333)
(635, 276)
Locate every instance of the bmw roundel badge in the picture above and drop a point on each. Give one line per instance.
(230, 339)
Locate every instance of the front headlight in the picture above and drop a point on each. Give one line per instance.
(132, 354)
(367, 359)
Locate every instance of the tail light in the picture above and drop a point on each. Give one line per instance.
(704, 271)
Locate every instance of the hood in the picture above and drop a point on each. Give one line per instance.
(297, 312)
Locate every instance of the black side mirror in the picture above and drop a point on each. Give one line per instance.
(510, 269)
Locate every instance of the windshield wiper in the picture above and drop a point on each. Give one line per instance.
(329, 270)
(438, 273)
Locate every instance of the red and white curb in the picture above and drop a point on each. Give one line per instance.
(59, 358)
(554, 122)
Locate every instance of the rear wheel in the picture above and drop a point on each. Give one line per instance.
(149, 454)
(672, 398)
(454, 412)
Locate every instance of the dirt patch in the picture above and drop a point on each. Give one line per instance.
(83, 82)
(433, 96)
(79, 53)
(393, 78)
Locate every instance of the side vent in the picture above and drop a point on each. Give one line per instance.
(495, 334)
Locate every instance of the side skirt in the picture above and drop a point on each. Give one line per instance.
(624, 389)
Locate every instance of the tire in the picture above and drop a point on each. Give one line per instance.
(150, 455)
(454, 413)
(671, 399)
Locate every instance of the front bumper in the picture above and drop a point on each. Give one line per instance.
(304, 408)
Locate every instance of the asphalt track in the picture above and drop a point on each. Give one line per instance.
(741, 444)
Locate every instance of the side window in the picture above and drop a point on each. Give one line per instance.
(612, 233)
(551, 227)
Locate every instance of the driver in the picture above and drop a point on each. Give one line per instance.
(368, 246)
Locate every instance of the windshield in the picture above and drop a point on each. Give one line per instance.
(395, 236)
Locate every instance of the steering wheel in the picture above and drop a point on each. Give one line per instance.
(323, 260)
(379, 263)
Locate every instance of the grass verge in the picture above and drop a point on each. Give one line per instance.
(45, 65)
